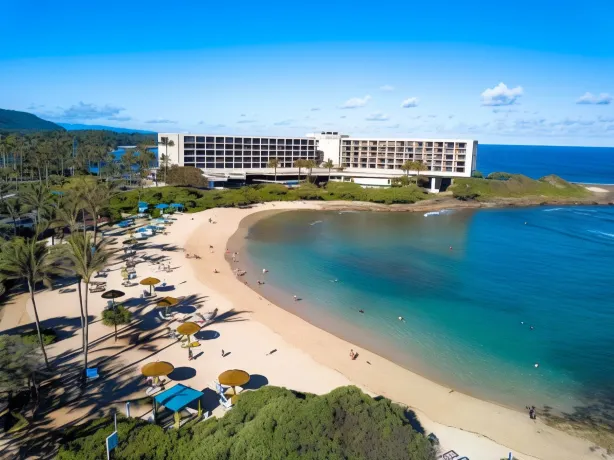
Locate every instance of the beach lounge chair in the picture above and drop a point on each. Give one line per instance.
(206, 414)
(91, 373)
(225, 403)
(165, 318)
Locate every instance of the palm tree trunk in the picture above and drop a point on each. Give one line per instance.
(86, 331)
(82, 318)
(275, 173)
(38, 326)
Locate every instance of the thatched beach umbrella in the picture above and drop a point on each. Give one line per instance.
(151, 282)
(188, 328)
(157, 369)
(167, 302)
(113, 294)
(130, 241)
(234, 378)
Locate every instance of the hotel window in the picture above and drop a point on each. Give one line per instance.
(200, 138)
(188, 138)
(219, 140)
(209, 139)
(255, 141)
(188, 146)
(229, 140)
(247, 141)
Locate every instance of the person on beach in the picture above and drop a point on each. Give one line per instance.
(352, 354)
(223, 354)
(190, 354)
(215, 270)
(264, 270)
(295, 298)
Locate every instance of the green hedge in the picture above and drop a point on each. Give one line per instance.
(197, 200)
(31, 337)
(272, 423)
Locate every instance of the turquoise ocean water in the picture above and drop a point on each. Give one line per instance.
(464, 307)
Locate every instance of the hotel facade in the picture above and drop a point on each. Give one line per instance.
(366, 161)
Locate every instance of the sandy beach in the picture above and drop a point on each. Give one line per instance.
(249, 329)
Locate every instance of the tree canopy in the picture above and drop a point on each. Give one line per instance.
(273, 423)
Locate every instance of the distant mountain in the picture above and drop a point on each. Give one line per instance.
(15, 121)
(80, 127)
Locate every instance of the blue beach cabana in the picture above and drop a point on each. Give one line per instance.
(162, 206)
(176, 399)
(143, 205)
(177, 206)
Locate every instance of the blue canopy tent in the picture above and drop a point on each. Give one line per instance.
(176, 399)
(162, 206)
(143, 205)
(177, 206)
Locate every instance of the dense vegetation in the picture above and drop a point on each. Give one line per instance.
(24, 122)
(503, 185)
(270, 423)
(185, 176)
(197, 200)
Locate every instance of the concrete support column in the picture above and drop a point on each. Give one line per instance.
(435, 184)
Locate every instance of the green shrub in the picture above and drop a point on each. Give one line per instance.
(500, 176)
(517, 186)
(271, 423)
(477, 174)
(118, 315)
(31, 337)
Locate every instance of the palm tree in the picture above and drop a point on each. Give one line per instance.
(274, 163)
(418, 165)
(310, 164)
(166, 142)
(68, 210)
(328, 164)
(300, 163)
(96, 196)
(13, 207)
(39, 200)
(86, 257)
(407, 166)
(128, 160)
(31, 261)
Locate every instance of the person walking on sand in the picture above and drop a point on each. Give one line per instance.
(190, 354)
(295, 298)
(223, 353)
(352, 354)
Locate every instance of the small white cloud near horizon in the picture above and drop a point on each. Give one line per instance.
(410, 102)
(287, 122)
(315, 109)
(160, 121)
(501, 95)
(378, 116)
(246, 121)
(355, 102)
(386, 88)
(593, 99)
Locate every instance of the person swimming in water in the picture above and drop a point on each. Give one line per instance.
(361, 311)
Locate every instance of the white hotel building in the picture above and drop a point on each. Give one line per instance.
(366, 161)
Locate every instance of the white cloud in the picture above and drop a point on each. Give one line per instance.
(601, 99)
(284, 122)
(501, 95)
(315, 109)
(161, 121)
(246, 121)
(378, 116)
(386, 88)
(342, 116)
(410, 102)
(85, 111)
(356, 102)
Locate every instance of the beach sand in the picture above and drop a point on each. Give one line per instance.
(306, 358)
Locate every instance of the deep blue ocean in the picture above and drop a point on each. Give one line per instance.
(518, 287)
(574, 164)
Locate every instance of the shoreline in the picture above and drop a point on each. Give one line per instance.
(431, 400)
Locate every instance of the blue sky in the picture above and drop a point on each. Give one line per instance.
(538, 72)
